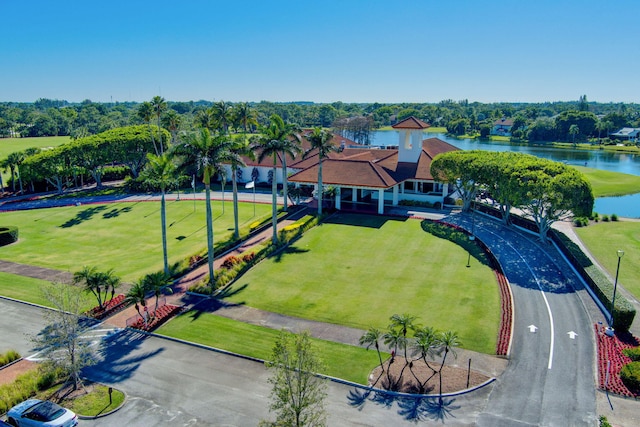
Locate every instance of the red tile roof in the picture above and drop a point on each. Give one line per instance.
(411, 123)
(372, 167)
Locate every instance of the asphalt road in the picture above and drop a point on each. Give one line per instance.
(169, 383)
(550, 377)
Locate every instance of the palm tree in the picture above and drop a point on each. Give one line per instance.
(13, 162)
(145, 112)
(402, 323)
(208, 153)
(448, 342)
(86, 277)
(243, 116)
(393, 338)
(159, 106)
(205, 119)
(240, 148)
(157, 283)
(425, 344)
(273, 140)
(573, 131)
(373, 337)
(159, 172)
(221, 112)
(320, 140)
(136, 296)
(172, 121)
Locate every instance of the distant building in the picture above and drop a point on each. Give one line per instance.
(502, 127)
(626, 134)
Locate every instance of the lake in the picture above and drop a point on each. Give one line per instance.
(626, 206)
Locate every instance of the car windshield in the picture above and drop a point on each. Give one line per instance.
(44, 411)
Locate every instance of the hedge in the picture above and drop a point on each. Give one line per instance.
(630, 375)
(8, 235)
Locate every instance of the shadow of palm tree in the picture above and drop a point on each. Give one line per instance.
(84, 215)
(289, 250)
(115, 212)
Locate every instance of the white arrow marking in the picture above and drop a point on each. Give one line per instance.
(532, 328)
(572, 335)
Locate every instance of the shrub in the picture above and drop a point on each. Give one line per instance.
(581, 221)
(614, 217)
(630, 376)
(8, 357)
(603, 421)
(114, 173)
(605, 218)
(632, 353)
(8, 235)
(27, 385)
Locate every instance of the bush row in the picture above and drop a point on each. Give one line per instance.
(8, 357)
(27, 385)
(8, 235)
(630, 375)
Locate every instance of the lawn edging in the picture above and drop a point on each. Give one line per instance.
(328, 377)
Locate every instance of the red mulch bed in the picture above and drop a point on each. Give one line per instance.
(610, 350)
(163, 314)
(111, 307)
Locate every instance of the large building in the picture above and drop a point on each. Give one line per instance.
(368, 175)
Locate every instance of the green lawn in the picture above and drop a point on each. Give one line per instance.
(604, 239)
(607, 183)
(30, 290)
(122, 236)
(342, 361)
(11, 145)
(360, 270)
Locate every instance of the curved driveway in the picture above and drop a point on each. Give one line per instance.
(550, 377)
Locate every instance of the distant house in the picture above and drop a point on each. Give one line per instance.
(502, 127)
(626, 134)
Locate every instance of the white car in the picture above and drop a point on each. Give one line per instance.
(41, 413)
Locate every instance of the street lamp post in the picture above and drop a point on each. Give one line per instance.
(615, 287)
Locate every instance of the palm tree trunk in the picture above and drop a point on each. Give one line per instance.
(320, 191)
(234, 184)
(19, 180)
(163, 222)
(285, 187)
(210, 253)
(274, 201)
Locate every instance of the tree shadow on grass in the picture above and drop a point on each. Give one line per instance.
(84, 215)
(211, 305)
(289, 250)
(362, 220)
(414, 409)
(115, 212)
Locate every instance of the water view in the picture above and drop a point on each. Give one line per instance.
(626, 206)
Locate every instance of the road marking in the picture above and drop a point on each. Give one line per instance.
(532, 328)
(572, 335)
(544, 297)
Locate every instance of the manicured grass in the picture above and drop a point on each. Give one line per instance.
(11, 145)
(605, 238)
(30, 290)
(122, 236)
(359, 270)
(607, 183)
(96, 402)
(342, 361)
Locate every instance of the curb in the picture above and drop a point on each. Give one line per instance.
(95, 417)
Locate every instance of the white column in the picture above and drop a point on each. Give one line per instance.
(338, 198)
(395, 195)
(354, 195)
(381, 201)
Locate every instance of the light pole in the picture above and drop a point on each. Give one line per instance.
(615, 286)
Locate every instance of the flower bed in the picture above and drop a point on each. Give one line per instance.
(610, 350)
(161, 315)
(111, 307)
(504, 336)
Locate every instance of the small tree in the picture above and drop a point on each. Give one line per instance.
(373, 337)
(60, 341)
(298, 395)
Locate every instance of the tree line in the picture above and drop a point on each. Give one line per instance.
(548, 121)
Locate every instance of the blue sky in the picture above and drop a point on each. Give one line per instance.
(320, 50)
